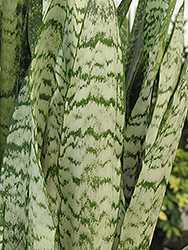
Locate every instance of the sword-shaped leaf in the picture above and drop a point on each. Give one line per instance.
(92, 135)
(12, 62)
(142, 213)
(34, 21)
(122, 10)
(42, 77)
(136, 126)
(168, 78)
(138, 121)
(25, 217)
(52, 138)
(157, 162)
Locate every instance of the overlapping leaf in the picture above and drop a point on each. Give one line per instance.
(146, 200)
(13, 57)
(137, 124)
(25, 218)
(42, 74)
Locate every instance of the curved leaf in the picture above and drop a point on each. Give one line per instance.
(147, 198)
(168, 78)
(42, 77)
(13, 61)
(52, 138)
(34, 21)
(122, 10)
(25, 218)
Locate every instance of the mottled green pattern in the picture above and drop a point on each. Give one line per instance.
(122, 10)
(75, 16)
(42, 77)
(13, 20)
(168, 79)
(92, 138)
(147, 197)
(26, 220)
(52, 138)
(34, 21)
(138, 122)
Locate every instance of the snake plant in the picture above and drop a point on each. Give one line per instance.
(85, 150)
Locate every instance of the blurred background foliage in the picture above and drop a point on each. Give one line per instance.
(170, 225)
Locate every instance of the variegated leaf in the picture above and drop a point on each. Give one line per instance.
(34, 21)
(138, 122)
(75, 16)
(52, 138)
(92, 138)
(13, 61)
(25, 217)
(136, 126)
(146, 200)
(42, 77)
(168, 79)
(122, 10)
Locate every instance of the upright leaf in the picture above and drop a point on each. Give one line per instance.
(12, 62)
(122, 10)
(42, 77)
(76, 10)
(92, 135)
(157, 162)
(52, 138)
(34, 21)
(168, 79)
(138, 121)
(25, 218)
(144, 207)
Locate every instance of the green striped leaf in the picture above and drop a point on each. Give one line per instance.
(75, 16)
(122, 10)
(146, 201)
(25, 218)
(52, 138)
(34, 21)
(42, 77)
(133, 60)
(13, 61)
(92, 135)
(168, 79)
(157, 162)
(138, 122)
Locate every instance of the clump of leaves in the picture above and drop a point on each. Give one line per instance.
(176, 198)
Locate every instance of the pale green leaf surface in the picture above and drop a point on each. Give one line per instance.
(168, 78)
(25, 219)
(13, 20)
(146, 200)
(42, 78)
(52, 138)
(92, 135)
(137, 124)
(76, 10)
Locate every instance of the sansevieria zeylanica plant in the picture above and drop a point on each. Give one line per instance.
(86, 152)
